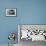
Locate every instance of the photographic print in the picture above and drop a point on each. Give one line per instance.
(32, 32)
(11, 12)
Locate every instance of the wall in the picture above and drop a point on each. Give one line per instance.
(28, 12)
(8, 24)
(33, 12)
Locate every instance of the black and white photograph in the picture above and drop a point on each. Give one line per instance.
(31, 34)
(11, 12)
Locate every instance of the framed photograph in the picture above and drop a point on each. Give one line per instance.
(11, 12)
(33, 32)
